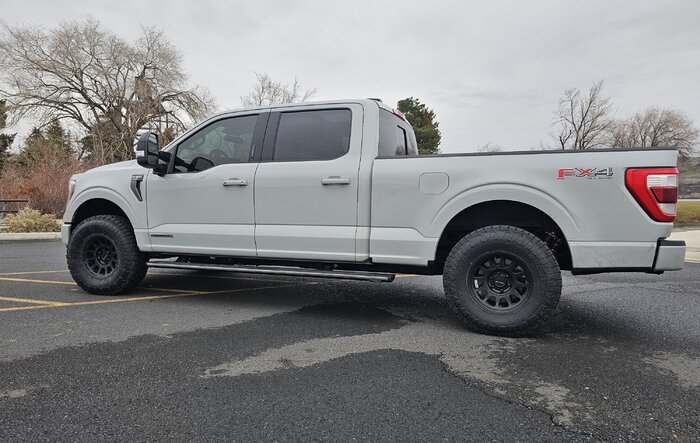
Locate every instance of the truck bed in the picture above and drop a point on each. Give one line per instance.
(601, 221)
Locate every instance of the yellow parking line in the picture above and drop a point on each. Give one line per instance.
(32, 301)
(405, 275)
(149, 297)
(35, 272)
(177, 291)
(28, 280)
(159, 297)
(58, 282)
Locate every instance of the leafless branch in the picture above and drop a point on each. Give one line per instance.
(584, 118)
(108, 87)
(268, 92)
(657, 127)
(488, 147)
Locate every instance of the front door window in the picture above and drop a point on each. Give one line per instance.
(222, 142)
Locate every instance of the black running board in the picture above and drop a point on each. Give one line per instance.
(378, 277)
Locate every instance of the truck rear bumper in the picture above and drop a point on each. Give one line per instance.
(670, 255)
(598, 257)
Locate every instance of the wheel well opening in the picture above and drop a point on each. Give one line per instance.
(505, 212)
(97, 206)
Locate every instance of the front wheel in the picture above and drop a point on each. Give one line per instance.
(502, 280)
(103, 256)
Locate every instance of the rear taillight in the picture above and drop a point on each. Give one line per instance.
(656, 190)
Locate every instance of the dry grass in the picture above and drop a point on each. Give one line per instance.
(688, 214)
(689, 178)
(31, 220)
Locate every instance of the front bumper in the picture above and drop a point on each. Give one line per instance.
(670, 255)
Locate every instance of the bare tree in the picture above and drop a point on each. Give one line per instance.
(107, 87)
(489, 147)
(268, 92)
(584, 118)
(5, 139)
(542, 146)
(657, 127)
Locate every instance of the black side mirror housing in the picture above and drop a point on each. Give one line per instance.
(147, 150)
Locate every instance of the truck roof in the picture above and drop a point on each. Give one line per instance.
(363, 101)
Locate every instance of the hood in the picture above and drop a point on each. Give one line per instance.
(128, 165)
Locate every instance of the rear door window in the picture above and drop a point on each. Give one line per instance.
(312, 135)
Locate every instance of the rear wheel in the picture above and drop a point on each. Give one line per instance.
(103, 256)
(502, 280)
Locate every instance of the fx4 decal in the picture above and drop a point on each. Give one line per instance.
(589, 173)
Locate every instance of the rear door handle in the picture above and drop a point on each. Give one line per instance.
(335, 180)
(235, 182)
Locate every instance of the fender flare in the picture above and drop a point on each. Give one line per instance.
(103, 194)
(514, 192)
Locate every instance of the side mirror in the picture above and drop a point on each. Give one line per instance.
(147, 150)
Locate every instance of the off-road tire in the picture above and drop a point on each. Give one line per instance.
(476, 286)
(103, 256)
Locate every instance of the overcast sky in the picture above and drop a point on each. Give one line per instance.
(492, 71)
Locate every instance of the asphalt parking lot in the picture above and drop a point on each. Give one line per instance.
(200, 356)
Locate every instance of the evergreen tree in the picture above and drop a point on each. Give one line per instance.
(32, 148)
(51, 145)
(424, 124)
(57, 142)
(95, 145)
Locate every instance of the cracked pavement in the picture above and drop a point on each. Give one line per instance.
(201, 357)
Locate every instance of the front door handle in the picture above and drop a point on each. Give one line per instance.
(235, 182)
(335, 180)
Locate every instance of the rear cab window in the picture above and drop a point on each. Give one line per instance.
(396, 137)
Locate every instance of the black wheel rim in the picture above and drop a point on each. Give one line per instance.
(100, 255)
(500, 282)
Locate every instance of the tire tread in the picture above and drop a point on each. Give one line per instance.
(134, 261)
(546, 266)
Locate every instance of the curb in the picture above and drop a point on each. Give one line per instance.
(18, 236)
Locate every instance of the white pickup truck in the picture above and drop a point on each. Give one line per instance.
(337, 189)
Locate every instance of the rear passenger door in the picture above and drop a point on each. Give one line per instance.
(306, 184)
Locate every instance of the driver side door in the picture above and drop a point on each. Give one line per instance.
(204, 204)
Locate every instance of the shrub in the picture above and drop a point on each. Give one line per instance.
(45, 184)
(31, 220)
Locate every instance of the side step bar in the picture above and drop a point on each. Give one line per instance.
(277, 270)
